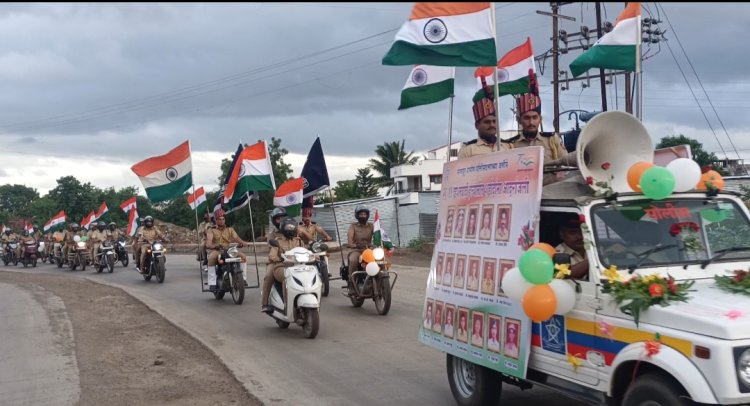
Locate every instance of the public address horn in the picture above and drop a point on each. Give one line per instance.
(617, 138)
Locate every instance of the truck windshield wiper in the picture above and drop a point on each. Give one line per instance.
(721, 253)
(645, 254)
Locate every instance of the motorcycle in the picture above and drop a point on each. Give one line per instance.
(43, 251)
(122, 252)
(10, 253)
(57, 254)
(321, 262)
(302, 292)
(106, 257)
(229, 275)
(30, 254)
(79, 254)
(154, 263)
(373, 282)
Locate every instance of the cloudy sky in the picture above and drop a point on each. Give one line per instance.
(90, 89)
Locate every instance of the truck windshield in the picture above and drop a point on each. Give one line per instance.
(675, 231)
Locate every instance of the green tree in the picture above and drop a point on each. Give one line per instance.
(367, 185)
(389, 155)
(15, 199)
(346, 190)
(700, 155)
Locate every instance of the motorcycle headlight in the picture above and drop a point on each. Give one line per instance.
(81, 244)
(743, 367)
(233, 252)
(157, 247)
(302, 257)
(379, 254)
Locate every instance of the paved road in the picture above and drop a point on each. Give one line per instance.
(358, 356)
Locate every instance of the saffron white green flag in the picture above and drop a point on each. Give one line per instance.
(379, 236)
(512, 71)
(251, 173)
(445, 34)
(617, 49)
(166, 176)
(197, 199)
(289, 196)
(427, 84)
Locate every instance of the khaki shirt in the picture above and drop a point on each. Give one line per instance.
(221, 236)
(481, 147)
(149, 234)
(575, 256)
(285, 244)
(553, 146)
(68, 236)
(312, 231)
(203, 228)
(360, 235)
(99, 236)
(8, 238)
(115, 235)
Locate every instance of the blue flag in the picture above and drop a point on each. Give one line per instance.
(315, 171)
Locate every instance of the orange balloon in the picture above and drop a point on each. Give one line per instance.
(368, 256)
(550, 250)
(539, 303)
(715, 178)
(635, 172)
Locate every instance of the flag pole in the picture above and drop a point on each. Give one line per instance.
(497, 85)
(450, 127)
(336, 222)
(252, 233)
(638, 75)
(197, 235)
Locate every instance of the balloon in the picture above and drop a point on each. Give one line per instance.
(714, 215)
(368, 256)
(550, 250)
(372, 268)
(657, 183)
(635, 172)
(686, 174)
(539, 303)
(514, 285)
(536, 266)
(565, 294)
(717, 182)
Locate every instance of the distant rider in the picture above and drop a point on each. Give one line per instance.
(287, 239)
(217, 238)
(359, 238)
(146, 235)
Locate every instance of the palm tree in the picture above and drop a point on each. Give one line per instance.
(389, 155)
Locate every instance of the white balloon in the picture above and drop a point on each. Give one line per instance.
(566, 295)
(515, 285)
(372, 268)
(687, 174)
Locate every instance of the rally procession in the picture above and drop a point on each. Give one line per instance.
(168, 249)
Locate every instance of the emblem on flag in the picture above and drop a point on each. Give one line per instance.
(291, 199)
(435, 31)
(172, 174)
(502, 75)
(419, 77)
(305, 183)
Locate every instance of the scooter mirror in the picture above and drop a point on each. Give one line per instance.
(273, 243)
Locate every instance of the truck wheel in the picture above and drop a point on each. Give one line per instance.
(655, 389)
(471, 384)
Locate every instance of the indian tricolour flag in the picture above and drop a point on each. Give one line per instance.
(55, 221)
(132, 222)
(128, 204)
(166, 176)
(379, 236)
(252, 172)
(86, 222)
(197, 199)
(445, 34)
(289, 196)
(512, 71)
(427, 84)
(617, 49)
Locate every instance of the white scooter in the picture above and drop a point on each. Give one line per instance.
(303, 286)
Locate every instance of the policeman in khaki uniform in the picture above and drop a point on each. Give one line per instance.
(222, 236)
(287, 239)
(485, 121)
(311, 231)
(147, 233)
(114, 233)
(202, 229)
(99, 234)
(68, 237)
(26, 236)
(359, 238)
(8, 236)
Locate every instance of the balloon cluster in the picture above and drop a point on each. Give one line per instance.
(533, 285)
(370, 257)
(680, 175)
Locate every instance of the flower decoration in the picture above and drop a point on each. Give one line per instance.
(574, 361)
(734, 314)
(526, 239)
(687, 232)
(611, 274)
(652, 347)
(604, 188)
(606, 166)
(562, 271)
(589, 180)
(639, 293)
(737, 282)
(607, 330)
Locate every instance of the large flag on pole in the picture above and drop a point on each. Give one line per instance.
(128, 204)
(252, 172)
(616, 49)
(132, 222)
(102, 209)
(379, 236)
(198, 199)
(289, 196)
(427, 84)
(55, 221)
(86, 222)
(236, 202)
(315, 171)
(166, 176)
(512, 71)
(446, 34)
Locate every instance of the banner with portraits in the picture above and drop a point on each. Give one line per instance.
(488, 216)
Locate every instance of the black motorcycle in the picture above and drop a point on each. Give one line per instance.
(122, 252)
(154, 263)
(9, 253)
(105, 258)
(229, 275)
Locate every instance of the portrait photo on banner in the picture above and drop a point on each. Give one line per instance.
(450, 316)
(485, 228)
(511, 339)
(449, 222)
(458, 229)
(477, 329)
(502, 226)
(437, 325)
(505, 266)
(463, 325)
(428, 314)
(472, 277)
(471, 223)
(494, 332)
(488, 276)
(448, 270)
(459, 275)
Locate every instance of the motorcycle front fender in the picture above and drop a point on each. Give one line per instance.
(308, 300)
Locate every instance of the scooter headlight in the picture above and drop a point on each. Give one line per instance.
(233, 252)
(81, 244)
(379, 254)
(303, 257)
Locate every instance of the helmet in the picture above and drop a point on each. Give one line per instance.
(75, 226)
(148, 221)
(25, 232)
(288, 227)
(101, 225)
(36, 227)
(361, 208)
(8, 231)
(276, 216)
(112, 225)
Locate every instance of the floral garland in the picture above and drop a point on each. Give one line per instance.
(737, 282)
(526, 239)
(604, 187)
(640, 293)
(688, 233)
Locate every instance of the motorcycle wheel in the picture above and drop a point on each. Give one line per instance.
(238, 288)
(382, 295)
(25, 263)
(125, 260)
(110, 263)
(219, 295)
(282, 324)
(83, 265)
(356, 301)
(147, 275)
(33, 263)
(59, 262)
(312, 322)
(160, 271)
(73, 266)
(44, 260)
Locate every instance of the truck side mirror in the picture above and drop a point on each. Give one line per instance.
(561, 258)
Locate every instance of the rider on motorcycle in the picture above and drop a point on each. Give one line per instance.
(218, 237)
(287, 239)
(8, 236)
(277, 215)
(146, 234)
(114, 233)
(312, 230)
(359, 238)
(73, 230)
(99, 234)
(37, 233)
(25, 237)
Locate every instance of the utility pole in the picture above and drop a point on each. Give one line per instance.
(602, 81)
(555, 58)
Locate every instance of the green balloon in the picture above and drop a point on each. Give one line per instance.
(714, 215)
(536, 266)
(657, 183)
